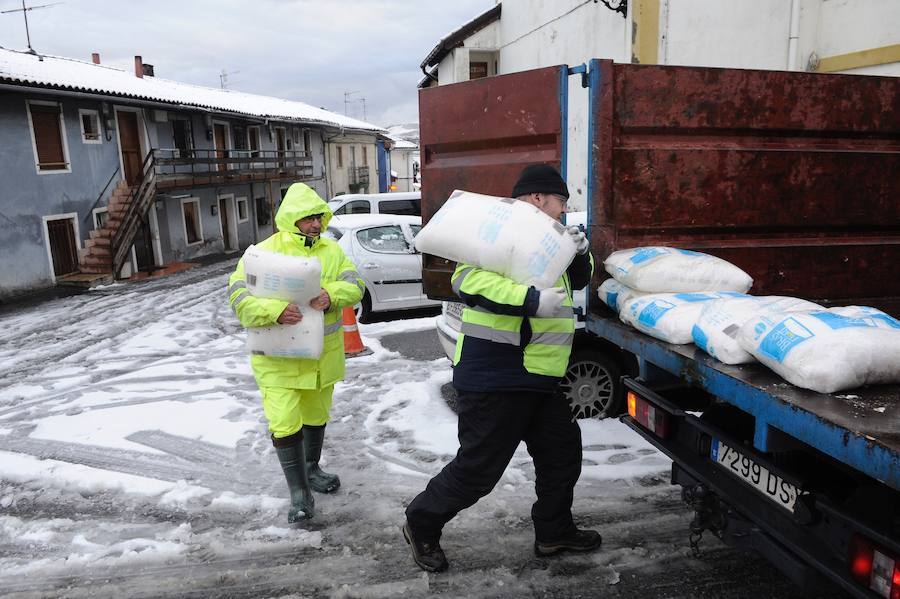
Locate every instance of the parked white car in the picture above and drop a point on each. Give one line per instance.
(381, 247)
(409, 202)
(592, 383)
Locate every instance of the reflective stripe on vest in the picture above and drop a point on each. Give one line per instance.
(235, 286)
(352, 277)
(333, 327)
(241, 296)
(457, 282)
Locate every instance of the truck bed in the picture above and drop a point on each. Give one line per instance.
(859, 427)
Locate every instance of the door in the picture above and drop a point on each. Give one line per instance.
(226, 219)
(143, 247)
(221, 138)
(63, 250)
(130, 145)
(389, 265)
(479, 135)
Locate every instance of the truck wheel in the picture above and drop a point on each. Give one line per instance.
(592, 385)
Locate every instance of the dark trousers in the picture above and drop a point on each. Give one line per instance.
(491, 425)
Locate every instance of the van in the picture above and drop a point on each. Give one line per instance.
(409, 203)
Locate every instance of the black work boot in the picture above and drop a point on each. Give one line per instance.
(578, 540)
(319, 480)
(428, 556)
(293, 464)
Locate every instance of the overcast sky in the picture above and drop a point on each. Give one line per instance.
(306, 50)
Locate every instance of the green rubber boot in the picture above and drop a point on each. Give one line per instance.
(319, 480)
(293, 464)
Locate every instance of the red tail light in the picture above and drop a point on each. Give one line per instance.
(648, 415)
(874, 568)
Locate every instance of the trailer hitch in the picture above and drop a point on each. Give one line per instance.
(708, 514)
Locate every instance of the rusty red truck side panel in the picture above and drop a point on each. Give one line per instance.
(781, 173)
(479, 136)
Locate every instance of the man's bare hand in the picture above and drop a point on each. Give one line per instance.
(290, 315)
(321, 302)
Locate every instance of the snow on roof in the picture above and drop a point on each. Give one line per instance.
(76, 75)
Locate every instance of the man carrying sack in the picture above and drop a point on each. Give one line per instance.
(512, 353)
(297, 392)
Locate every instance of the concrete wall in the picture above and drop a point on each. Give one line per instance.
(339, 176)
(26, 196)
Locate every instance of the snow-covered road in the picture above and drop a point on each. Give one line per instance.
(134, 461)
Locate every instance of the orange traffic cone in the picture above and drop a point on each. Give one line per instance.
(353, 345)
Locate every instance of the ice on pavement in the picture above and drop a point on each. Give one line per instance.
(131, 432)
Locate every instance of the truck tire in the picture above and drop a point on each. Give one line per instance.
(592, 385)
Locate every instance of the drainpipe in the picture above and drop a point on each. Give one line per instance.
(794, 37)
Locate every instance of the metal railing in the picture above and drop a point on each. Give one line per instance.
(142, 196)
(358, 175)
(90, 213)
(186, 168)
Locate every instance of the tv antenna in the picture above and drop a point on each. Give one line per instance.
(24, 10)
(223, 78)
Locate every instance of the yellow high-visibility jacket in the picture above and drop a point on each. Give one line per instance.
(339, 278)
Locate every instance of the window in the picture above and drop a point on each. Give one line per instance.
(253, 135)
(190, 210)
(365, 155)
(340, 157)
(101, 215)
(355, 207)
(478, 70)
(307, 141)
(183, 138)
(242, 210)
(50, 152)
(412, 207)
(384, 240)
(262, 212)
(90, 126)
(415, 229)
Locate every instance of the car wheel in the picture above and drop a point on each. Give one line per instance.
(592, 385)
(363, 309)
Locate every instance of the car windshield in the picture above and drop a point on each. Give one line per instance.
(387, 239)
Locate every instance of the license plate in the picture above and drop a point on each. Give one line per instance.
(768, 483)
(455, 310)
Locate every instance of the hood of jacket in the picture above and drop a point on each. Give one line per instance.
(299, 202)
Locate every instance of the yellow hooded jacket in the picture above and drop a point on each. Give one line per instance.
(339, 278)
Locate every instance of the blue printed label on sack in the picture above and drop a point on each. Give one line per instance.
(644, 254)
(694, 297)
(783, 338)
(888, 320)
(836, 321)
(271, 282)
(700, 338)
(294, 284)
(550, 245)
(655, 310)
(690, 253)
(537, 264)
(611, 299)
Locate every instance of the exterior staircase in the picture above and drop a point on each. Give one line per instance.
(109, 247)
(96, 257)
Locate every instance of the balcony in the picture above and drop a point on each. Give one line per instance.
(196, 168)
(358, 175)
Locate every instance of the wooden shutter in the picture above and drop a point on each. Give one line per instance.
(48, 137)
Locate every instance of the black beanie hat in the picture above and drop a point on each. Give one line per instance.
(540, 178)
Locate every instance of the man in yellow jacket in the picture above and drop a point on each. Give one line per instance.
(512, 353)
(297, 392)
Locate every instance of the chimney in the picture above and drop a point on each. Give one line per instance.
(138, 67)
(95, 58)
(148, 70)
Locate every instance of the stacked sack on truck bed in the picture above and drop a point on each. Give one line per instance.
(682, 296)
